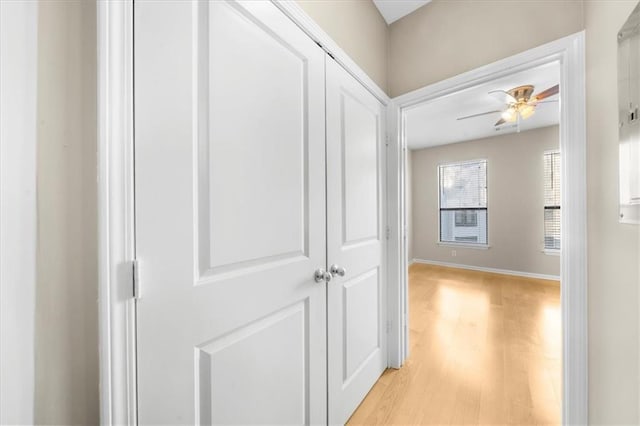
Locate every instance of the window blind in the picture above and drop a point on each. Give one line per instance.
(463, 202)
(552, 200)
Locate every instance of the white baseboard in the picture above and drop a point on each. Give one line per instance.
(492, 270)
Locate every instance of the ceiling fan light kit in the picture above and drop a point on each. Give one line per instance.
(527, 111)
(521, 93)
(520, 103)
(508, 114)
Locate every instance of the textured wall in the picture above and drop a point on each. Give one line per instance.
(515, 176)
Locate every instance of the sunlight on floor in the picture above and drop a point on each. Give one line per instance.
(484, 349)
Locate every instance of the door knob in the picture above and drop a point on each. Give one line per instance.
(337, 270)
(321, 275)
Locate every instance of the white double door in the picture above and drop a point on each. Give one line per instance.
(258, 161)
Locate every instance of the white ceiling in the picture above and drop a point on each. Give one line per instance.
(435, 123)
(392, 10)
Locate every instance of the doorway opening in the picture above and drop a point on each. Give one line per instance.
(483, 241)
(567, 55)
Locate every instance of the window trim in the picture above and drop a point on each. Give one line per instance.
(476, 246)
(552, 252)
(439, 209)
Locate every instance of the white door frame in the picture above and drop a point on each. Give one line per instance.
(18, 209)
(115, 213)
(569, 51)
(116, 191)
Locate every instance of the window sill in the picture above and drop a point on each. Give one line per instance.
(464, 245)
(551, 252)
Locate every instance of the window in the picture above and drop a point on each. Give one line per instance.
(466, 218)
(463, 202)
(552, 200)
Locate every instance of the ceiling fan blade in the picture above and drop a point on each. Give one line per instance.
(503, 96)
(546, 102)
(500, 122)
(546, 93)
(478, 115)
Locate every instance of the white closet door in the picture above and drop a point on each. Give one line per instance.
(230, 215)
(357, 352)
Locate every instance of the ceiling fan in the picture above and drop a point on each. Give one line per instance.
(520, 103)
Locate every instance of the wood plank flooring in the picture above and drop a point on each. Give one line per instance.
(484, 349)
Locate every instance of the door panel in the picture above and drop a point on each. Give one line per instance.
(356, 310)
(359, 156)
(237, 371)
(361, 312)
(258, 150)
(230, 215)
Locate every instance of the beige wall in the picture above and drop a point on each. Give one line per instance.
(614, 254)
(515, 202)
(67, 279)
(358, 28)
(446, 38)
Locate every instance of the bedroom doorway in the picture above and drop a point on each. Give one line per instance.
(568, 53)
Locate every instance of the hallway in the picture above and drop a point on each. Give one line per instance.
(484, 349)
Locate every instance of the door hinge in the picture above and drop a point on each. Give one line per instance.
(388, 232)
(388, 326)
(135, 279)
(386, 140)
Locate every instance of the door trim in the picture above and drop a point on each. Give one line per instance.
(116, 244)
(569, 52)
(115, 213)
(18, 210)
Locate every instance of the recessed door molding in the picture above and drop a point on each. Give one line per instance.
(569, 52)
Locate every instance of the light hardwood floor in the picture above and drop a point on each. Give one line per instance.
(485, 349)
